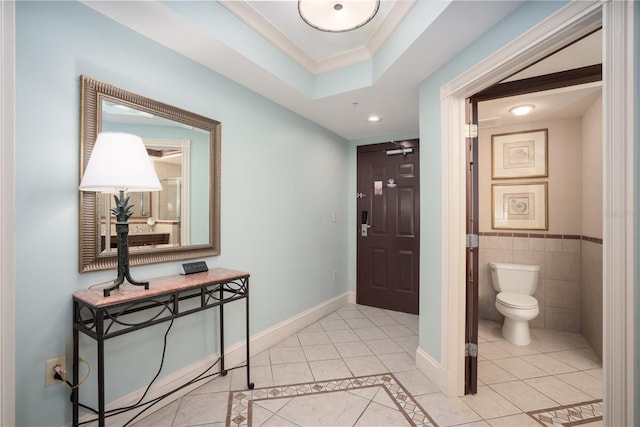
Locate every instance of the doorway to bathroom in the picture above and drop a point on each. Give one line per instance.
(562, 231)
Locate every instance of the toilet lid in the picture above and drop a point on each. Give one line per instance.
(517, 300)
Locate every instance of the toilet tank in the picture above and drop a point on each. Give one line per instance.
(516, 278)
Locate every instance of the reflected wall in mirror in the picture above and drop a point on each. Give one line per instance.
(180, 222)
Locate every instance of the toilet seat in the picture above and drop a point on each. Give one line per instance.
(520, 301)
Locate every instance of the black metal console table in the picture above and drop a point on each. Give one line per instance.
(106, 317)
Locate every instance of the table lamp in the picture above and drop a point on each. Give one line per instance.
(119, 163)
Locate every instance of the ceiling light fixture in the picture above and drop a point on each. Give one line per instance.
(337, 16)
(522, 110)
(374, 119)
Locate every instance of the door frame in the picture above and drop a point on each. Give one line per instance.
(619, 189)
(7, 222)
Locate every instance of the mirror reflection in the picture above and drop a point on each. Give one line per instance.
(179, 222)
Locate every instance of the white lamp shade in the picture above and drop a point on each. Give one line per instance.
(119, 161)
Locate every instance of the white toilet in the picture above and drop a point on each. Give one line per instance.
(516, 284)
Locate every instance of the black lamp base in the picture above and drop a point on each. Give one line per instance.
(122, 211)
(120, 280)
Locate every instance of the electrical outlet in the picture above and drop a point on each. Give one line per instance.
(49, 372)
(335, 275)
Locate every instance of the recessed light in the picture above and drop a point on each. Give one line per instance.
(374, 119)
(522, 110)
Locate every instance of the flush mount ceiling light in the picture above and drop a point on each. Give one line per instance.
(374, 119)
(337, 16)
(522, 110)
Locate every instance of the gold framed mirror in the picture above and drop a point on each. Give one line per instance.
(180, 222)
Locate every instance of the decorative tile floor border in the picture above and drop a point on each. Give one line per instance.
(241, 402)
(569, 415)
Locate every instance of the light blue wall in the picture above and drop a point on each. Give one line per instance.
(282, 179)
(522, 19)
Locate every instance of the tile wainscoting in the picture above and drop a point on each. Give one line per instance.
(570, 286)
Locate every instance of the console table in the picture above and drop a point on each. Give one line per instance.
(102, 318)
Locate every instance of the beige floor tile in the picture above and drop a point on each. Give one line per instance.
(581, 359)
(320, 352)
(557, 390)
(384, 321)
(398, 362)
(409, 343)
(358, 340)
(261, 376)
(492, 351)
(317, 337)
(548, 364)
(490, 335)
(597, 373)
(271, 405)
(219, 383)
(343, 336)
(384, 346)
(364, 365)
(381, 396)
(350, 313)
(516, 350)
(366, 334)
(353, 349)
(261, 359)
(314, 327)
(324, 409)
(447, 411)
(489, 404)
(291, 373)
(523, 396)
(201, 409)
(380, 415)
(291, 341)
(415, 382)
(490, 373)
(396, 331)
(162, 417)
(584, 382)
(360, 323)
(520, 420)
(519, 368)
(277, 421)
(281, 355)
(334, 324)
(324, 370)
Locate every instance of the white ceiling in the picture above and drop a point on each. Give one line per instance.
(393, 95)
(557, 104)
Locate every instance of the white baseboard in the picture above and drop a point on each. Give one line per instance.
(351, 295)
(235, 354)
(432, 370)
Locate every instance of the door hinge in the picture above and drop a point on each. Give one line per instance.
(360, 195)
(472, 240)
(470, 130)
(471, 350)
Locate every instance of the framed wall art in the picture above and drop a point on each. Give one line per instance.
(519, 154)
(521, 206)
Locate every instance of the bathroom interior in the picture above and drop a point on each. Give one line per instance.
(568, 248)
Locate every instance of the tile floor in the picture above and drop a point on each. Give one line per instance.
(557, 368)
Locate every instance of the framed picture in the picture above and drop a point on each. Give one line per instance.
(519, 154)
(520, 206)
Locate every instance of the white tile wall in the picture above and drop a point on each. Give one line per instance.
(559, 293)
